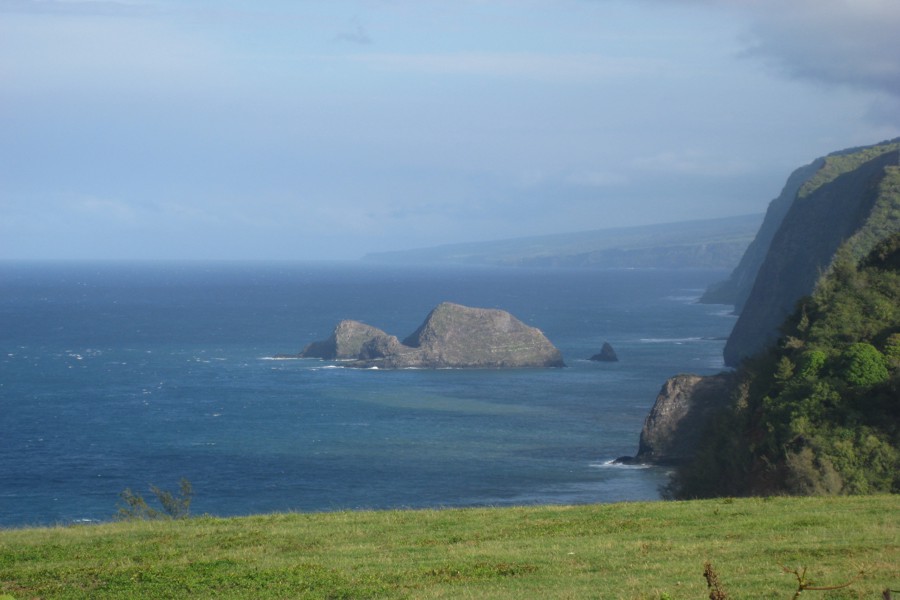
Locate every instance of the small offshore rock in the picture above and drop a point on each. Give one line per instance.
(606, 354)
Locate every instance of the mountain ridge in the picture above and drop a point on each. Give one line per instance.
(703, 243)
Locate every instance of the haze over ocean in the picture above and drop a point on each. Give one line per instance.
(123, 375)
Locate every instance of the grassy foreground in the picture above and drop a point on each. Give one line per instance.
(633, 550)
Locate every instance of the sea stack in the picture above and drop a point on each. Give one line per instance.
(606, 354)
(453, 336)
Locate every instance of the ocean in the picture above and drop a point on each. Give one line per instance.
(122, 375)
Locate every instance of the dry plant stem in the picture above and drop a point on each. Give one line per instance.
(712, 582)
(804, 584)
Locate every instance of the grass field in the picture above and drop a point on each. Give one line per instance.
(653, 550)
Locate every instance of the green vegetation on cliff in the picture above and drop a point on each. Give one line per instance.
(838, 163)
(847, 206)
(650, 551)
(819, 413)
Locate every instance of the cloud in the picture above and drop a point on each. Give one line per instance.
(596, 178)
(522, 65)
(76, 7)
(692, 162)
(99, 53)
(838, 42)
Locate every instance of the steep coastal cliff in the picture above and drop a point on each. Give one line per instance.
(850, 201)
(830, 216)
(737, 287)
(670, 434)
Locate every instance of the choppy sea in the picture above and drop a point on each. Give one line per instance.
(116, 375)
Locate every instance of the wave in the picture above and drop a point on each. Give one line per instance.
(612, 464)
(683, 340)
(684, 299)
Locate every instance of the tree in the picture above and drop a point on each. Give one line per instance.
(864, 365)
(173, 507)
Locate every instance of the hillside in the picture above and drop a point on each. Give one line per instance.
(812, 405)
(631, 550)
(817, 413)
(713, 243)
(848, 198)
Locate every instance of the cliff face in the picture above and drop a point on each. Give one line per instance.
(840, 205)
(847, 202)
(350, 340)
(679, 416)
(737, 287)
(453, 336)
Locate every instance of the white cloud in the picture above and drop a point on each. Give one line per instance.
(596, 178)
(50, 53)
(692, 162)
(107, 210)
(525, 65)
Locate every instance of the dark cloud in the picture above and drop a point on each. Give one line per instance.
(841, 42)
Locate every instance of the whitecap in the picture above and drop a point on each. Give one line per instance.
(612, 464)
(670, 340)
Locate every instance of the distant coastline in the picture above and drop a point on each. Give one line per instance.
(707, 244)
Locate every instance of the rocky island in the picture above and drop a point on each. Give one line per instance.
(452, 336)
(606, 354)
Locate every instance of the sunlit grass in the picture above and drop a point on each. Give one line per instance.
(632, 550)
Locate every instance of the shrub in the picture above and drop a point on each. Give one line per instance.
(811, 363)
(173, 507)
(864, 365)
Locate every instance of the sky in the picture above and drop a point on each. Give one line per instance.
(314, 129)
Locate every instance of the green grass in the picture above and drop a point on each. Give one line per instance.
(651, 550)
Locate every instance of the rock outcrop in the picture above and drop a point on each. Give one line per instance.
(680, 415)
(453, 336)
(606, 354)
(352, 340)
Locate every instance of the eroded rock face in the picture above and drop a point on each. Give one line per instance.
(841, 205)
(350, 340)
(453, 336)
(680, 415)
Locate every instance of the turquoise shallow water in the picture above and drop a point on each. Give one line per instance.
(115, 376)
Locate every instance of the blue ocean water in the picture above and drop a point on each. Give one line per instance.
(124, 375)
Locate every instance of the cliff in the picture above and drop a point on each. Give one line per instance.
(452, 336)
(679, 416)
(837, 208)
(852, 202)
(737, 287)
(816, 413)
